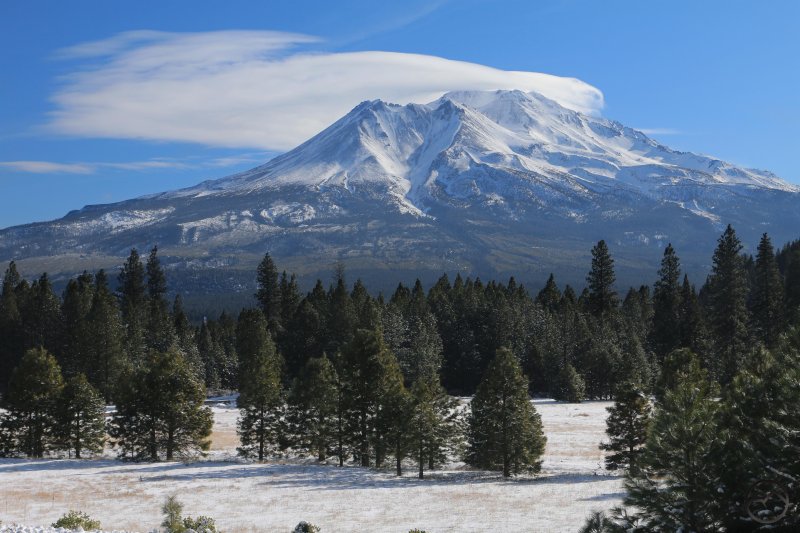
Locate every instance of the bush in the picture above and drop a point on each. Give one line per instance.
(305, 527)
(76, 519)
(415, 530)
(201, 524)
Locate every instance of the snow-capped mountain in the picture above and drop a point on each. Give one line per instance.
(491, 183)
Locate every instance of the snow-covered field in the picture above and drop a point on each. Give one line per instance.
(274, 497)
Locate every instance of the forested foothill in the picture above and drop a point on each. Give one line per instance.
(705, 378)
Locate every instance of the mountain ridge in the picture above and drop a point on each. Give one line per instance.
(488, 182)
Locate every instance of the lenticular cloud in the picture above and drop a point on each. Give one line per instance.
(257, 89)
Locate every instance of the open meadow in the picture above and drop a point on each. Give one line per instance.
(275, 496)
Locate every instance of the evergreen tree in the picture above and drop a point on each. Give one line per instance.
(674, 486)
(41, 318)
(77, 303)
(31, 402)
(505, 431)
(81, 417)
(767, 295)
(693, 330)
(269, 292)
(315, 408)
(11, 347)
(369, 373)
(727, 297)
(549, 297)
(161, 411)
(341, 315)
(569, 385)
(434, 425)
(792, 283)
(133, 305)
(259, 401)
(626, 426)
(160, 332)
(602, 298)
(104, 327)
(666, 335)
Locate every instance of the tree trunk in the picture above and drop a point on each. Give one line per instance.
(421, 462)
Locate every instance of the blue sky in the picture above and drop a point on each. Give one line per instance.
(102, 101)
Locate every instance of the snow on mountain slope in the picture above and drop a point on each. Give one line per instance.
(408, 148)
(480, 181)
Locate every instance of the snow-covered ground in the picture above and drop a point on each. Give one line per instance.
(274, 497)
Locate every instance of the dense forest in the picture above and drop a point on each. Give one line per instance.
(368, 378)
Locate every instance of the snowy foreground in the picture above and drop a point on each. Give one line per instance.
(274, 497)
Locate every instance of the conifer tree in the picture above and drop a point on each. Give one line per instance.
(269, 292)
(161, 411)
(626, 426)
(133, 305)
(602, 298)
(434, 426)
(160, 331)
(767, 295)
(315, 409)
(77, 303)
(666, 335)
(369, 374)
(31, 402)
(549, 297)
(259, 399)
(104, 327)
(727, 297)
(792, 284)
(11, 348)
(505, 431)
(81, 417)
(674, 484)
(41, 318)
(570, 386)
(341, 315)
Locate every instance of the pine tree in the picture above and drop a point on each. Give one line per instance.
(549, 297)
(674, 485)
(260, 403)
(31, 402)
(792, 284)
(570, 386)
(369, 373)
(727, 309)
(602, 298)
(104, 327)
(269, 292)
(434, 426)
(767, 295)
(133, 305)
(41, 318)
(160, 332)
(315, 408)
(161, 411)
(505, 431)
(81, 417)
(77, 303)
(626, 426)
(666, 335)
(11, 347)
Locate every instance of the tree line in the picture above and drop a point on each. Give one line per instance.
(340, 372)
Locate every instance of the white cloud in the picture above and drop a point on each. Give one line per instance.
(47, 167)
(50, 167)
(257, 89)
(660, 131)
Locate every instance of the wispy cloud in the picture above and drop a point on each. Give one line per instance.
(660, 131)
(257, 89)
(47, 167)
(51, 167)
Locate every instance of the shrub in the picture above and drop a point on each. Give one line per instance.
(305, 527)
(76, 519)
(201, 524)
